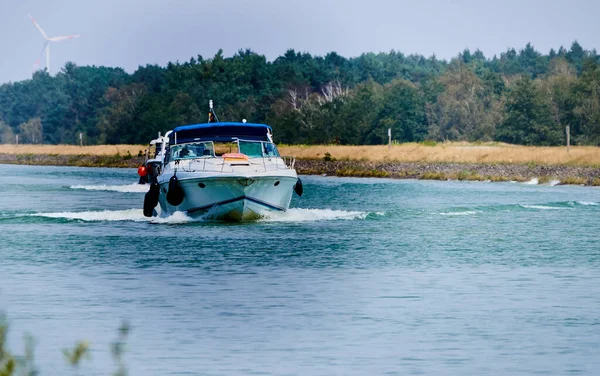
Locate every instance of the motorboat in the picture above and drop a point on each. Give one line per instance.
(223, 170)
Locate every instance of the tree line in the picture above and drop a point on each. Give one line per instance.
(521, 97)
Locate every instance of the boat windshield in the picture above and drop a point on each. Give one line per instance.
(258, 149)
(192, 150)
(157, 149)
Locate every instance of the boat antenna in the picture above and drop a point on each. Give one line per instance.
(212, 117)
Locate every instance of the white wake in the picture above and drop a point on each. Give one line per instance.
(129, 188)
(533, 181)
(542, 207)
(137, 215)
(132, 215)
(452, 214)
(306, 215)
(587, 203)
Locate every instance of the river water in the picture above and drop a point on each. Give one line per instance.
(361, 276)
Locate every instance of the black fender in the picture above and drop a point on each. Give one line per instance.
(298, 187)
(175, 193)
(151, 199)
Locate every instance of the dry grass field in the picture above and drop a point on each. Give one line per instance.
(492, 153)
(72, 149)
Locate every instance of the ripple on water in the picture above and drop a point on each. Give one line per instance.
(358, 277)
(127, 188)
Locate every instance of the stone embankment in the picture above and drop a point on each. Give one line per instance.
(72, 160)
(435, 171)
(453, 171)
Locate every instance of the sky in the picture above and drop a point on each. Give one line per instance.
(130, 33)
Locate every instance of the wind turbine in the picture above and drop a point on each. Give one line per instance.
(47, 44)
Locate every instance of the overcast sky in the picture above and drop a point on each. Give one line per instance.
(129, 33)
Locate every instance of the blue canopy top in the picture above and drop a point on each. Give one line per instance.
(219, 132)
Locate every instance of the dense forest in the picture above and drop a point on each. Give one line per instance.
(521, 97)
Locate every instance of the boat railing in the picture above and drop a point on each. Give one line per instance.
(289, 161)
(217, 164)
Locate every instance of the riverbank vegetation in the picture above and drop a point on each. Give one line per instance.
(25, 365)
(33, 149)
(451, 152)
(408, 161)
(535, 174)
(426, 152)
(520, 97)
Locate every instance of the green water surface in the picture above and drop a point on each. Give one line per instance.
(361, 276)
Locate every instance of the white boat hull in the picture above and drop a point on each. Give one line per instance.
(233, 198)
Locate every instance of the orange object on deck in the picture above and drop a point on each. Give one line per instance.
(235, 157)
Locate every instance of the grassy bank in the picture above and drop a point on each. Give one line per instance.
(448, 161)
(24, 149)
(79, 160)
(487, 153)
(453, 171)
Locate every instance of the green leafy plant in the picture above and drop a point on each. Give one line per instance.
(11, 365)
(118, 348)
(77, 354)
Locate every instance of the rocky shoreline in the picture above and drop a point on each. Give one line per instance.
(83, 160)
(453, 171)
(400, 170)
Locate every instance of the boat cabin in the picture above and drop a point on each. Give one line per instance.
(215, 139)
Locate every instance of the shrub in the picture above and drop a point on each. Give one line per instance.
(543, 179)
(575, 180)
(362, 173)
(434, 176)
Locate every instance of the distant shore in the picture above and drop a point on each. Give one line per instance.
(454, 171)
(409, 161)
(426, 152)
